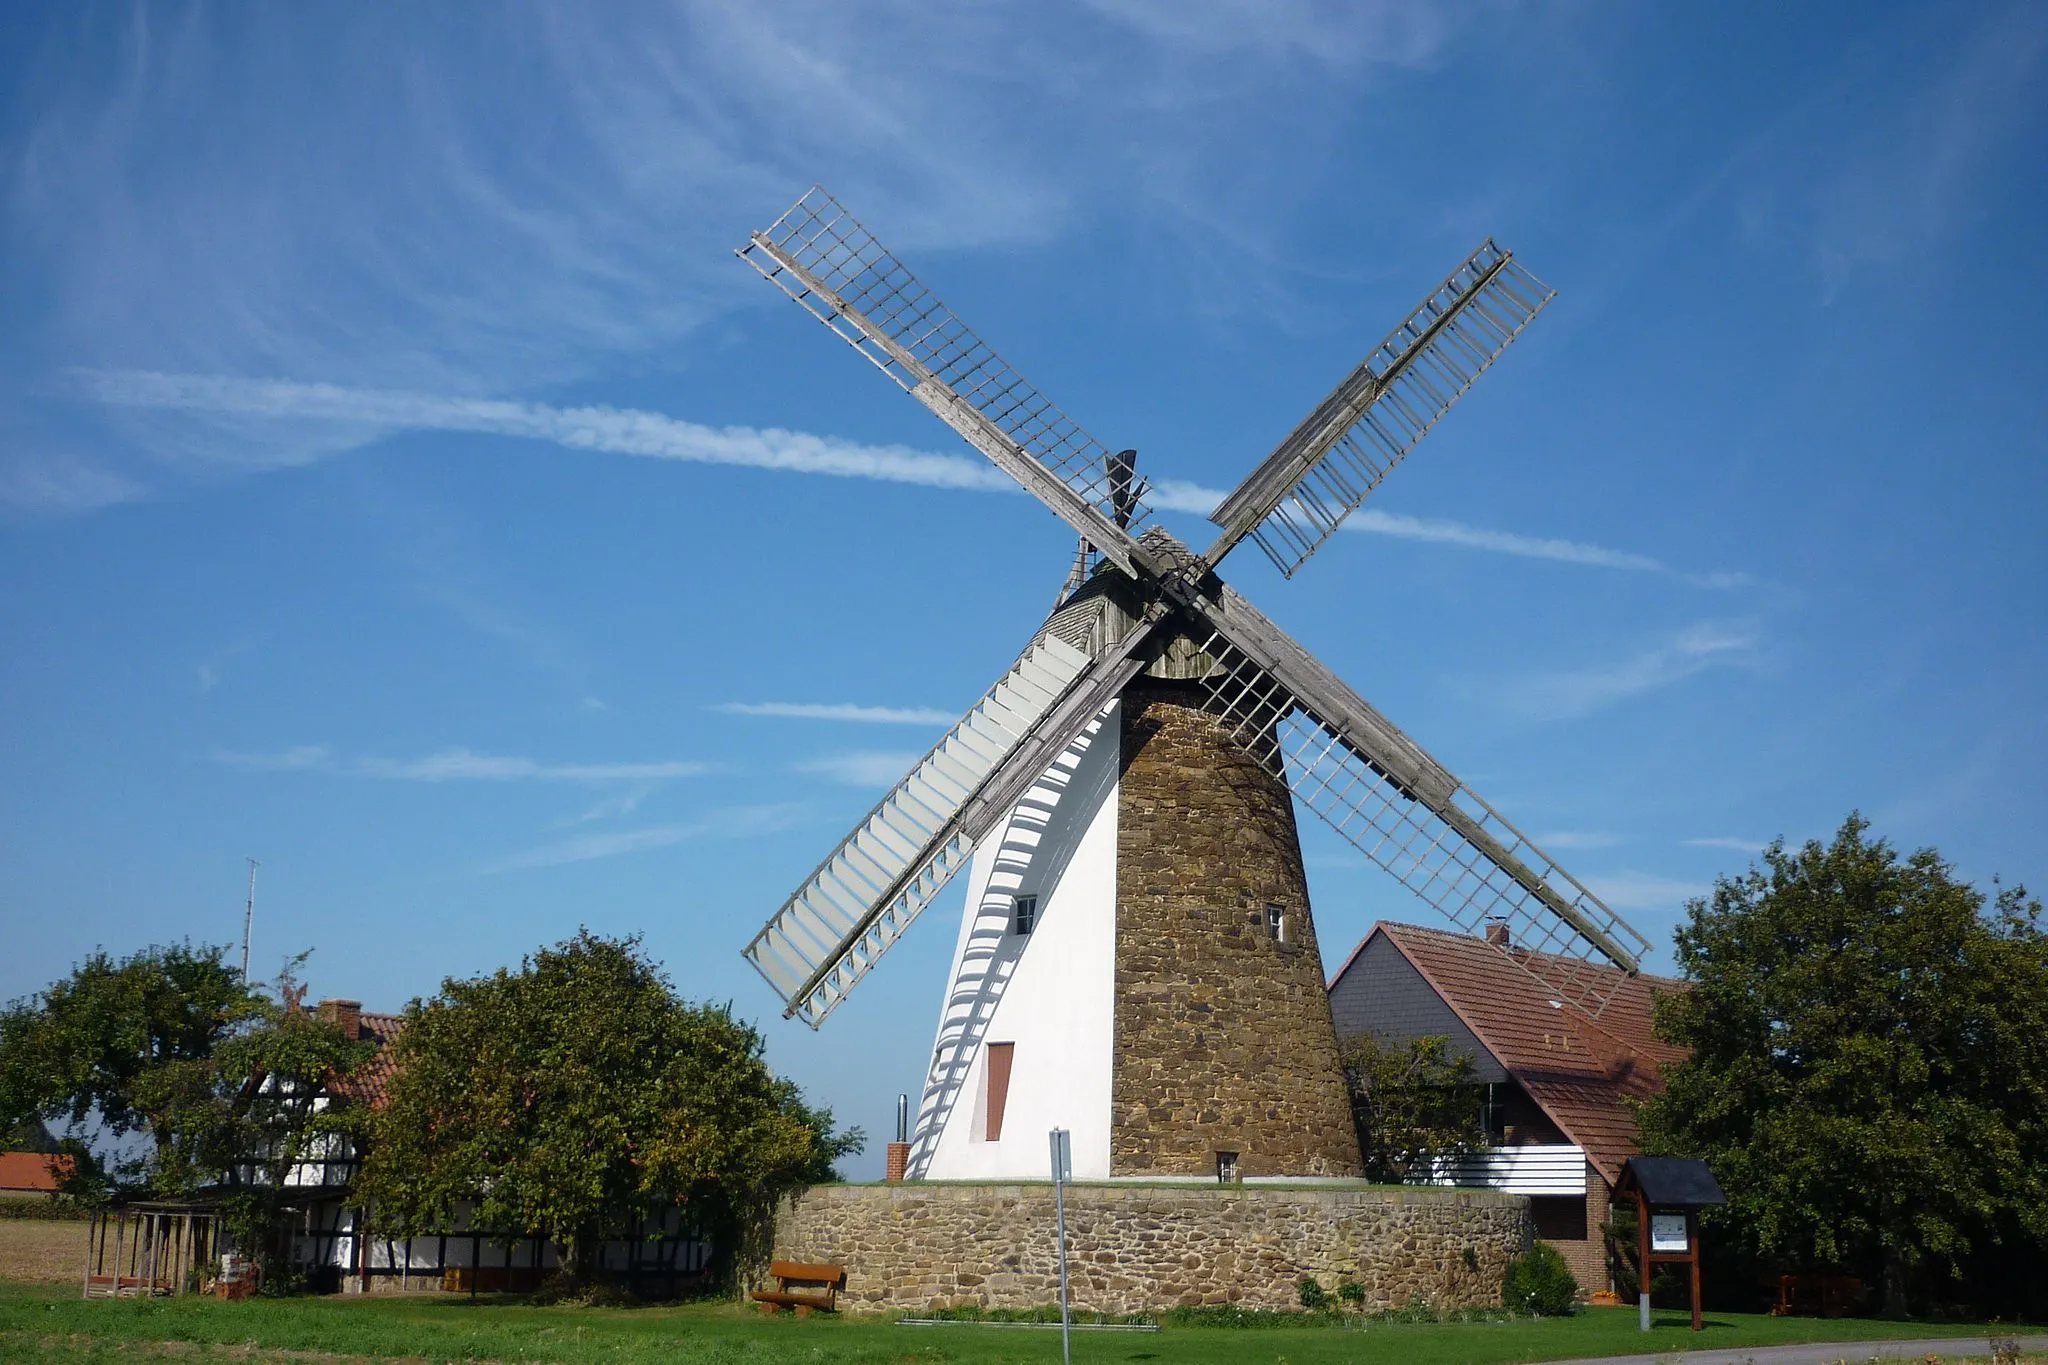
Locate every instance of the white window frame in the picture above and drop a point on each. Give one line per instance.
(1279, 925)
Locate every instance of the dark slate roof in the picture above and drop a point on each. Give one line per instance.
(1581, 1070)
(1680, 1180)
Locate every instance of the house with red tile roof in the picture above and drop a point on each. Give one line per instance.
(1559, 1080)
(26, 1174)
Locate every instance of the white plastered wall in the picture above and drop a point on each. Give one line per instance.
(1051, 993)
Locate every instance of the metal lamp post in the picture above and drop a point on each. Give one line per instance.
(1062, 1172)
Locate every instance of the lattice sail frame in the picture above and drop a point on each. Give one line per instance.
(870, 889)
(924, 338)
(1406, 828)
(1329, 464)
(1430, 831)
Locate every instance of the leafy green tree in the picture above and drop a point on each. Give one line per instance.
(188, 1079)
(119, 1050)
(1869, 1061)
(570, 1098)
(1413, 1105)
(30, 1135)
(272, 1109)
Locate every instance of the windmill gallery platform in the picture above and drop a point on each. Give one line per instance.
(1137, 962)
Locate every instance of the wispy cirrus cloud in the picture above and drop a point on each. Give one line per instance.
(62, 484)
(617, 431)
(208, 672)
(300, 759)
(738, 822)
(1644, 891)
(1725, 841)
(1175, 496)
(1579, 838)
(615, 807)
(861, 767)
(1340, 35)
(571, 201)
(1568, 693)
(652, 435)
(456, 765)
(846, 711)
(1910, 177)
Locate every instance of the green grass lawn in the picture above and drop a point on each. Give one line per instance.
(38, 1323)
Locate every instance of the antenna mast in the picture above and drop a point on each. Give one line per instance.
(248, 919)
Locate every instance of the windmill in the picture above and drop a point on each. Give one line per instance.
(1125, 791)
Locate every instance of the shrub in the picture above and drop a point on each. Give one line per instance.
(1540, 1282)
(44, 1209)
(1314, 1297)
(1417, 1309)
(1352, 1292)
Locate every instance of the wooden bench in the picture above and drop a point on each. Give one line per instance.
(802, 1287)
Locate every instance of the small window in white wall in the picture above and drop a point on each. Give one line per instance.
(1024, 914)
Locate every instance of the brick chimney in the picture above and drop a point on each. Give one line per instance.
(1497, 934)
(348, 1014)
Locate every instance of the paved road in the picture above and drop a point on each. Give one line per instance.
(1821, 1353)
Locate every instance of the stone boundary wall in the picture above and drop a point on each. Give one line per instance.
(1146, 1248)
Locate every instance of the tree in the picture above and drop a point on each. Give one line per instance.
(120, 1049)
(30, 1135)
(1413, 1105)
(570, 1098)
(271, 1108)
(1869, 1061)
(189, 1079)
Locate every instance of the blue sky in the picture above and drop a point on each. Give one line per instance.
(402, 484)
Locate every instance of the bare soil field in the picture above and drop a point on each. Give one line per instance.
(42, 1253)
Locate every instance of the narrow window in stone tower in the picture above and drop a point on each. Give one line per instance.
(1277, 927)
(1024, 914)
(999, 1057)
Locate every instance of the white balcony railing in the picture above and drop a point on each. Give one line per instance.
(1551, 1168)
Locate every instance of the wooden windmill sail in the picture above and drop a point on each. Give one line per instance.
(1156, 642)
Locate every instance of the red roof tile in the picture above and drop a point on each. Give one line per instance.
(32, 1171)
(370, 1083)
(1582, 1070)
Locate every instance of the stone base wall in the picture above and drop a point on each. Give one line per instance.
(1147, 1248)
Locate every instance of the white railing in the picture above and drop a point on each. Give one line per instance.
(1550, 1168)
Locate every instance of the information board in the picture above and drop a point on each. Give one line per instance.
(1667, 1232)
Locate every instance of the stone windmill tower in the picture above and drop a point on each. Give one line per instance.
(1137, 962)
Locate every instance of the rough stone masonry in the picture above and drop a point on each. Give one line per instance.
(1146, 1248)
(1224, 1041)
